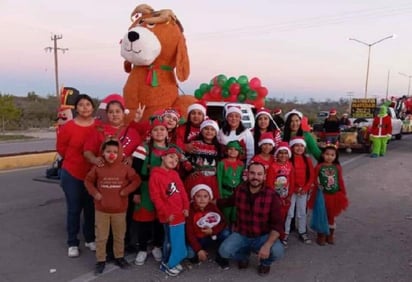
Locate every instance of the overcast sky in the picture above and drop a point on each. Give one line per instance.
(297, 48)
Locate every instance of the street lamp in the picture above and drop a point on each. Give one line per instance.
(408, 76)
(369, 56)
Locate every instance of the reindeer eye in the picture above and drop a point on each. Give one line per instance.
(151, 25)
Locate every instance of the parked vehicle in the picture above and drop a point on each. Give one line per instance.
(217, 110)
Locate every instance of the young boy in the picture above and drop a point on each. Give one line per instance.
(204, 225)
(172, 206)
(110, 186)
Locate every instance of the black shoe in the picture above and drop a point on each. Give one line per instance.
(194, 260)
(263, 270)
(222, 262)
(121, 262)
(243, 264)
(100, 265)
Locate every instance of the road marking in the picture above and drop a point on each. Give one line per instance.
(352, 159)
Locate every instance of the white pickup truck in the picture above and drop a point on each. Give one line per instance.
(396, 123)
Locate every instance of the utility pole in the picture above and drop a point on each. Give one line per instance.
(54, 38)
(387, 84)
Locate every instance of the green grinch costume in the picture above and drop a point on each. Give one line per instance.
(381, 132)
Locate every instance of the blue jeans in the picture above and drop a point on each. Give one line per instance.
(207, 241)
(77, 200)
(239, 247)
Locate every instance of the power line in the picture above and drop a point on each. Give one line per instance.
(54, 38)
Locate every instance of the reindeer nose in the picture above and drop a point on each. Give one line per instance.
(133, 36)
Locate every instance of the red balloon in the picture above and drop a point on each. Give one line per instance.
(260, 103)
(255, 83)
(232, 98)
(207, 96)
(216, 91)
(262, 92)
(234, 89)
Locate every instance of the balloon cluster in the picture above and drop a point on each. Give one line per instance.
(241, 90)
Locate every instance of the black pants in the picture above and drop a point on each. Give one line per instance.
(151, 231)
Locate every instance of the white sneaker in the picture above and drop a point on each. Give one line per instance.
(73, 252)
(179, 267)
(157, 254)
(91, 246)
(140, 258)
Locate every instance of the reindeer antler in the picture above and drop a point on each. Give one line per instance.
(161, 16)
(143, 9)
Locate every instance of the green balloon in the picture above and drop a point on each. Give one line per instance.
(225, 93)
(221, 79)
(198, 94)
(230, 81)
(252, 95)
(204, 87)
(241, 98)
(242, 80)
(244, 88)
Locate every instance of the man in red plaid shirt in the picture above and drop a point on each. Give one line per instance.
(258, 224)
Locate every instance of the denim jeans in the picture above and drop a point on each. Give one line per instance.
(239, 247)
(77, 200)
(205, 242)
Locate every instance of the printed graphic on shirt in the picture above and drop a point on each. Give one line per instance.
(282, 185)
(209, 220)
(328, 178)
(171, 189)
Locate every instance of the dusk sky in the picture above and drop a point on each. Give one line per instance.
(297, 48)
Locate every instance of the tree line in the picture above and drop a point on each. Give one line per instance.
(35, 111)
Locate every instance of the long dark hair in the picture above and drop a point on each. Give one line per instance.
(286, 131)
(215, 143)
(226, 128)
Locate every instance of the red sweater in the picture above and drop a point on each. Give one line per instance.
(109, 180)
(194, 232)
(129, 138)
(281, 178)
(181, 139)
(382, 126)
(168, 195)
(70, 143)
(300, 174)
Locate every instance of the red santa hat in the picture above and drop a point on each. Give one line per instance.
(332, 112)
(297, 140)
(283, 146)
(233, 109)
(266, 138)
(197, 106)
(263, 111)
(113, 98)
(277, 111)
(293, 112)
(209, 122)
(199, 187)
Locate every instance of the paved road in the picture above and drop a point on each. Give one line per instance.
(31, 145)
(373, 237)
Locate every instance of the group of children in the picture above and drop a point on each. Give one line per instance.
(171, 183)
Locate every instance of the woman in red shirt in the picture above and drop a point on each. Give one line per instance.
(70, 143)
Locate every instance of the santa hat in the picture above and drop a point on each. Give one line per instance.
(209, 122)
(297, 140)
(277, 111)
(293, 112)
(233, 109)
(263, 111)
(197, 106)
(266, 138)
(170, 111)
(171, 150)
(157, 122)
(199, 187)
(283, 146)
(332, 112)
(113, 98)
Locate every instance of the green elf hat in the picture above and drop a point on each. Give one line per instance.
(235, 144)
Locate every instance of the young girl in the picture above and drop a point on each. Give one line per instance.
(110, 186)
(265, 124)
(330, 195)
(204, 225)
(229, 176)
(265, 150)
(281, 178)
(172, 206)
(204, 156)
(304, 177)
(196, 113)
(145, 158)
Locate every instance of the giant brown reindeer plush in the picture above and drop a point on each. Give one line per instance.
(155, 53)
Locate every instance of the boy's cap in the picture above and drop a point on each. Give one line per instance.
(199, 187)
